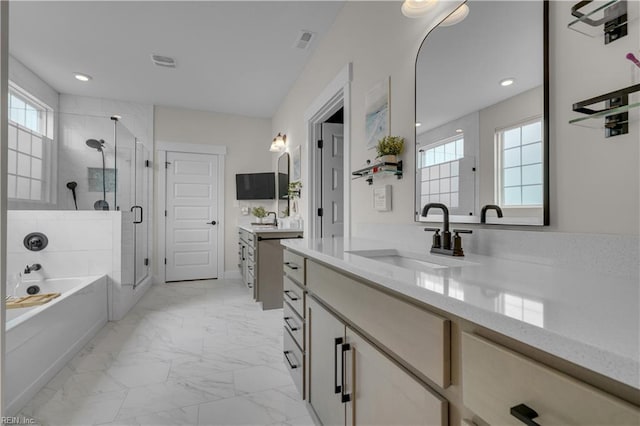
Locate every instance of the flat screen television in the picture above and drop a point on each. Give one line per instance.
(256, 186)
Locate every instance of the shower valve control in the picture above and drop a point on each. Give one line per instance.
(36, 241)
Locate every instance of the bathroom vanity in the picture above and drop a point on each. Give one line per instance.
(260, 261)
(384, 336)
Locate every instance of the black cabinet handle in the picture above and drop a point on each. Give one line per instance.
(286, 356)
(345, 397)
(337, 342)
(291, 265)
(525, 414)
(293, 328)
(286, 293)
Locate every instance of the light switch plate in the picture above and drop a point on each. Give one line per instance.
(382, 198)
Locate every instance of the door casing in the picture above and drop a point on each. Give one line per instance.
(335, 96)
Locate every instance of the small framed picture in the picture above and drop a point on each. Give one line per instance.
(376, 105)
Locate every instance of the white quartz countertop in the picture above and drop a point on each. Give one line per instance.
(588, 319)
(265, 229)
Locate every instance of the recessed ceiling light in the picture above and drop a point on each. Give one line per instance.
(82, 77)
(456, 17)
(418, 124)
(458, 130)
(506, 82)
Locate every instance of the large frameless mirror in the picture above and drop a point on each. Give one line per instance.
(482, 116)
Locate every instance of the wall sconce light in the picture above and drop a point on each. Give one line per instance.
(279, 143)
(417, 8)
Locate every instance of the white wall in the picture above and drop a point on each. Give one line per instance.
(247, 140)
(29, 81)
(587, 170)
(81, 243)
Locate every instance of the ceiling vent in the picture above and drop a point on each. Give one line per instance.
(304, 39)
(163, 61)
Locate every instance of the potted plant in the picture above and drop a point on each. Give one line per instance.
(259, 212)
(389, 148)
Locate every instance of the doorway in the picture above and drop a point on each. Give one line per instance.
(190, 182)
(330, 177)
(328, 211)
(191, 216)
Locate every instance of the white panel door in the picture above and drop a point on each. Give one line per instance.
(192, 205)
(332, 180)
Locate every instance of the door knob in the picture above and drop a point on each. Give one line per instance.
(213, 222)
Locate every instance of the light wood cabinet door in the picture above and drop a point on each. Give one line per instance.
(496, 379)
(324, 362)
(382, 393)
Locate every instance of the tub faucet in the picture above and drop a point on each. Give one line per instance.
(483, 212)
(275, 217)
(30, 268)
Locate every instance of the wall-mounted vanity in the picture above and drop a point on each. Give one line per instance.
(482, 116)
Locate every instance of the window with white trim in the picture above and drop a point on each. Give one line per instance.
(30, 131)
(440, 171)
(520, 169)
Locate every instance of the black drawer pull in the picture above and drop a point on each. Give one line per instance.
(344, 397)
(291, 265)
(286, 355)
(337, 342)
(286, 293)
(293, 328)
(525, 414)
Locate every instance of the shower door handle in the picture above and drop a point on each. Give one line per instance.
(141, 214)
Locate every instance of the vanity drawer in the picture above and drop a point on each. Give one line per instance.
(415, 335)
(294, 266)
(293, 295)
(495, 379)
(294, 324)
(294, 361)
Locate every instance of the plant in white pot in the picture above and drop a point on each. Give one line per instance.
(259, 212)
(389, 148)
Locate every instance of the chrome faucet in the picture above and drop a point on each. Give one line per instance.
(30, 268)
(483, 212)
(275, 217)
(443, 245)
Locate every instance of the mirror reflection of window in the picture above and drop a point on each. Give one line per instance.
(440, 171)
(520, 171)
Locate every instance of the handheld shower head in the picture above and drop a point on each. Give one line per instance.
(95, 144)
(72, 186)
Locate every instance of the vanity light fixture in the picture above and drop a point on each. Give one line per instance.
(82, 77)
(279, 143)
(417, 8)
(507, 82)
(456, 17)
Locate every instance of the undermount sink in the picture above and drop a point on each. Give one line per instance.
(410, 260)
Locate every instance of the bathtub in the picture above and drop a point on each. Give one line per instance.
(40, 340)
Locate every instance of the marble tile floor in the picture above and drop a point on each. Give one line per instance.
(191, 353)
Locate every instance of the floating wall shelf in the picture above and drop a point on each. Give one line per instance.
(607, 18)
(380, 169)
(616, 115)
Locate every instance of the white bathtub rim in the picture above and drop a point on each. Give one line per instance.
(86, 281)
